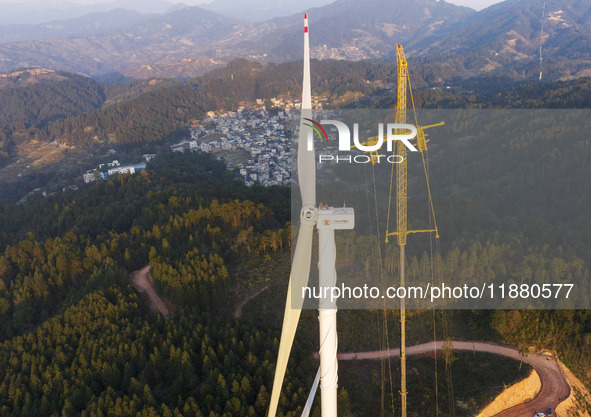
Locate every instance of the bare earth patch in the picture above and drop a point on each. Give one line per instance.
(521, 392)
(578, 400)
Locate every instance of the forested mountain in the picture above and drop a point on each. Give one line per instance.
(162, 39)
(75, 337)
(79, 110)
(142, 111)
(77, 340)
(35, 104)
(225, 88)
(31, 99)
(507, 38)
(502, 39)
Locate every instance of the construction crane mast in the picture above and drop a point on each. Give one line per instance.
(402, 231)
(401, 168)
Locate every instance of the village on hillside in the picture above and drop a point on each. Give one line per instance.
(253, 140)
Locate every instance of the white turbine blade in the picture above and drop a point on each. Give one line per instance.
(300, 272)
(300, 268)
(306, 85)
(306, 166)
(306, 157)
(308, 407)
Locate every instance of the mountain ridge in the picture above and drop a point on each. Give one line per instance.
(504, 38)
(562, 28)
(93, 24)
(34, 12)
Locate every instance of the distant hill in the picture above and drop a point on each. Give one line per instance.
(261, 10)
(508, 36)
(92, 24)
(172, 38)
(450, 41)
(192, 40)
(34, 12)
(29, 76)
(351, 29)
(33, 98)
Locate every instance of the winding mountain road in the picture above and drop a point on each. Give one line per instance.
(142, 282)
(554, 389)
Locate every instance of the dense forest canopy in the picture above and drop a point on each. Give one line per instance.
(74, 110)
(65, 294)
(77, 340)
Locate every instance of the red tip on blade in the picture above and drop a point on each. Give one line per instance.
(305, 15)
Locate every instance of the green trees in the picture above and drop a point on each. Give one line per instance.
(77, 340)
(566, 331)
(27, 109)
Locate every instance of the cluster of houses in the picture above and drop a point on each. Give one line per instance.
(252, 128)
(349, 52)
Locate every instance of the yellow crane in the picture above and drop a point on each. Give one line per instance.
(402, 167)
(402, 231)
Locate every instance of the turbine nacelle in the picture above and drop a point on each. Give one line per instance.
(341, 218)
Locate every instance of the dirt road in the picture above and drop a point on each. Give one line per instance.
(238, 311)
(142, 283)
(554, 386)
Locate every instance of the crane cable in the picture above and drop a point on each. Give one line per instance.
(439, 272)
(432, 270)
(426, 170)
(448, 370)
(384, 310)
(385, 339)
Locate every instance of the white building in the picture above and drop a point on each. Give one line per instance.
(91, 176)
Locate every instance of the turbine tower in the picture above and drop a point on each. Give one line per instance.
(323, 218)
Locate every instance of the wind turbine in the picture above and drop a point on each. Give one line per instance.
(324, 219)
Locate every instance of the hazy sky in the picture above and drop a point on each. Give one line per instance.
(475, 4)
